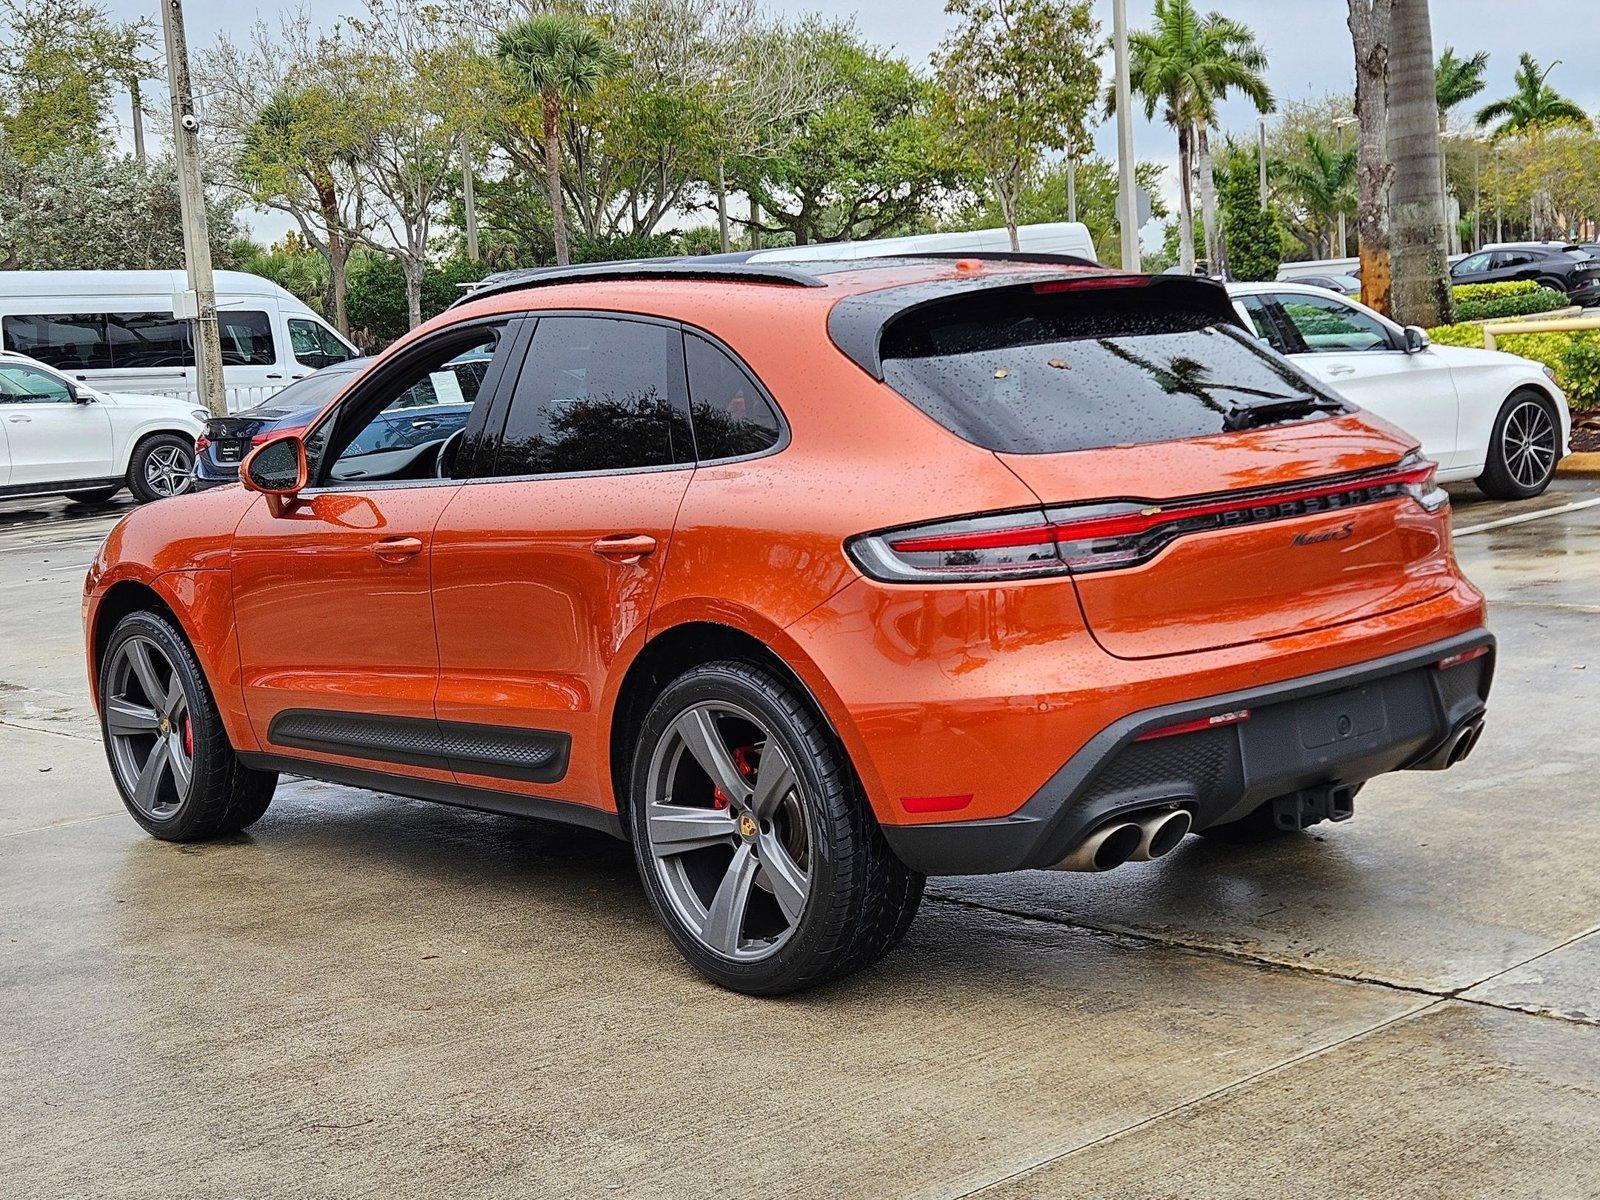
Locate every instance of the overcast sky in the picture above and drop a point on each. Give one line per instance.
(1306, 42)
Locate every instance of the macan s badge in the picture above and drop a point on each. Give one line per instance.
(1330, 535)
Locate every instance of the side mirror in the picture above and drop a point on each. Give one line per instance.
(278, 470)
(1417, 339)
(80, 395)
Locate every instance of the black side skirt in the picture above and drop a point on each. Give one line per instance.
(459, 795)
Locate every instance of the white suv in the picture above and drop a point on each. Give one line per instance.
(60, 437)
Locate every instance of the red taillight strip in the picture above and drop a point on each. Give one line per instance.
(1153, 516)
(1227, 718)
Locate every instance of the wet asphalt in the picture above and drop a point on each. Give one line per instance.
(371, 996)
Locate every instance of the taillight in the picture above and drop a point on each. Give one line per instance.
(269, 435)
(1120, 533)
(201, 443)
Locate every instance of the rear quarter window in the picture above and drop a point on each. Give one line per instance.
(1042, 372)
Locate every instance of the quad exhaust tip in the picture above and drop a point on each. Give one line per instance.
(1137, 839)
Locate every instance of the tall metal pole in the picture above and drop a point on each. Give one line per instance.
(469, 202)
(192, 207)
(1127, 198)
(1072, 187)
(1261, 156)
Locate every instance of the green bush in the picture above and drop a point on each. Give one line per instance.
(1458, 335)
(1478, 302)
(1579, 372)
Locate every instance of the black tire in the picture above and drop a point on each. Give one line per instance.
(148, 484)
(94, 495)
(223, 796)
(1508, 474)
(860, 900)
(1555, 283)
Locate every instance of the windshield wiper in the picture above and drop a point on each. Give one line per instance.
(1282, 408)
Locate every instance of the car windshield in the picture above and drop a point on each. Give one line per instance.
(1031, 373)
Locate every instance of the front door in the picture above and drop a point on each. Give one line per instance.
(53, 438)
(332, 597)
(1349, 348)
(546, 568)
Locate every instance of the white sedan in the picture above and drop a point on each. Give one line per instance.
(60, 437)
(1482, 415)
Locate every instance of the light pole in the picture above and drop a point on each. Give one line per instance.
(1341, 124)
(1127, 202)
(1261, 156)
(192, 210)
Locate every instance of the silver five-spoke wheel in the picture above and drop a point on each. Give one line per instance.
(169, 470)
(726, 820)
(148, 728)
(1528, 443)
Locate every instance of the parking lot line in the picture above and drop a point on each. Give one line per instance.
(1523, 518)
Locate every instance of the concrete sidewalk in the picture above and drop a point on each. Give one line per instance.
(370, 996)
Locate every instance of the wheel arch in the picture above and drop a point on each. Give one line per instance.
(120, 599)
(679, 647)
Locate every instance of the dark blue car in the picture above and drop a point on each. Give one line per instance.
(226, 440)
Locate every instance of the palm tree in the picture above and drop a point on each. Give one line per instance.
(1323, 182)
(1455, 81)
(1185, 64)
(1421, 282)
(1533, 105)
(560, 58)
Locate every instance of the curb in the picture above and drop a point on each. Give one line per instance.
(1581, 466)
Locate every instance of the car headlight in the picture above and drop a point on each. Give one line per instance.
(200, 414)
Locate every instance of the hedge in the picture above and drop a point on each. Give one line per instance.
(1494, 301)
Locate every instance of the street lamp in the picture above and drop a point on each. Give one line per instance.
(1341, 124)
(1127, 202)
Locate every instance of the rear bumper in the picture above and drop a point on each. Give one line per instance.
(1340, 727)
(208, 474)
(1585, 293)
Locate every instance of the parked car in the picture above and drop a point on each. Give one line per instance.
(1494, 418)
(1345, 285)
(1563, 266)
(810, 581)
(59, 437)
(225, 441)
(126, 331)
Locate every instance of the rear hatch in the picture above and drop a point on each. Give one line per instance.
(230, 437)
(1203, 492)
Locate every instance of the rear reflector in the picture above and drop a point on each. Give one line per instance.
(928, 804)
(1227, 718)
(1455, 660)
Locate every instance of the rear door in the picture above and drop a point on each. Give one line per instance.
(1120, 405)
(1353, 351)
(546, 565)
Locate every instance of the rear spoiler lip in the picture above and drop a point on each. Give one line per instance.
(856, 323)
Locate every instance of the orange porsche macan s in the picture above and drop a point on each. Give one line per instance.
(809, 581)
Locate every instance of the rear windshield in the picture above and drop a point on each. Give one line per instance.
(1025, 372)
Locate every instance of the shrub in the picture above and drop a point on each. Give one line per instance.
(1477, 302)
(1580, 371)
(1458, 335)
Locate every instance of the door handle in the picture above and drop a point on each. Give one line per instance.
(397, 549)
(625, 547)
(1341, 371)
(19, 419)
(273, 377)
(424, 423)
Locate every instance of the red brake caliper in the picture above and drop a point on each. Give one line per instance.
(188, 738)
(745, 758)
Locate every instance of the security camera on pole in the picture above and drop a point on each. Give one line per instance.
(192, 204)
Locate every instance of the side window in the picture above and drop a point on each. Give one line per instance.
(20, 384)
(315, 345)
(148, 340)
(1260, 314)
(246, 339)
(68, 343)
(412, 435)
(597, 394)
(731, 416)
(1512, 258)
(1471, 265)
(1328, 325)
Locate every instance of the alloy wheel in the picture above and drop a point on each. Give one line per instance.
(729, 841)
(1528, 443)
(148, 726)
(169, 470)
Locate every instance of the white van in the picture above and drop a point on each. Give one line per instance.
(126, 331)
(1052, 237)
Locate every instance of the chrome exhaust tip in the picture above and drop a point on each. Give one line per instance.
(1160, 832)
(1107, 847)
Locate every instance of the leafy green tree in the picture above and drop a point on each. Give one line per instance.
(560, 58)
(1017, 79)
(87, 211)
(1255, 235)
(1185, 64)
(1320, 184)
(1532, 105)
(871, 160)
